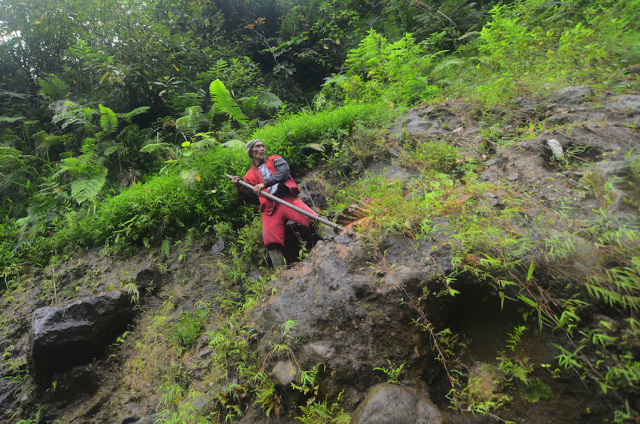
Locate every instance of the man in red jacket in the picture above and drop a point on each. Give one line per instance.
(272, 174)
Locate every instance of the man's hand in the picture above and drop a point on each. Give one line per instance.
(258, 188)
(235, 180)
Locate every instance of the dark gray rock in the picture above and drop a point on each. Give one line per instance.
(255, 415)
(7, 392)
(149, 278)
(390, 404)
(71, 335)
(628, 104)
(149, 419)
(345, 311)
(390, 172)
(573, 95)
(524, 106)
(218, 247)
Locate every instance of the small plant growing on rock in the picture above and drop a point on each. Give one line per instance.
(393, 371)
(321, 413)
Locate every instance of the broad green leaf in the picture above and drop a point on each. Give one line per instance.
(224, 103)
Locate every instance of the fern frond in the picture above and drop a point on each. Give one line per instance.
(204, 143)
(224, 103)
(108, 119)
(315, 146)
(137, 111)
(109, 148)
(13, 167)
(69, 164)
(249, 105)
(52, 88)
(87, 188)
(448, 64)
(12, 94)
(191, 121)
(10, 119)
(70, 114)
(234, 144)
(162, 147)
(219, 68)
(270, 100)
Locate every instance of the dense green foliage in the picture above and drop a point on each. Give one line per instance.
(96, 96)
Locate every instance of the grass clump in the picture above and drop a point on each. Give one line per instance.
(189, 327)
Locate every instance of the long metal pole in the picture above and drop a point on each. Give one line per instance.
(289, 205)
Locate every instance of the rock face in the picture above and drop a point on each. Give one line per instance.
(71, 335)
(346, 311)
(572, 95)
(390, 404)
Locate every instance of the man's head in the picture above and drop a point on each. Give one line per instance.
(256, 150)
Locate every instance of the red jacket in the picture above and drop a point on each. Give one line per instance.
(253, 177)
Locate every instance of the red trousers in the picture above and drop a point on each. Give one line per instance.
(273, 225)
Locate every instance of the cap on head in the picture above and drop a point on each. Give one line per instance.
(250, 145)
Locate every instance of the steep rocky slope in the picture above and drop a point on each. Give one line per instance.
(366, 306)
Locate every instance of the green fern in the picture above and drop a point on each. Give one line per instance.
(219, 68)
(137, 111)
(270, 100)
(73, 114)
(88, 174)
(108, 119)
(10, 119)
(224, 103)
(191, 121)
(87, 188)
(163, 148)
(233, 144)
(13, 168)
(249, 105)
(52, 88)
(380, 70)
(5, 93)
(454, 63)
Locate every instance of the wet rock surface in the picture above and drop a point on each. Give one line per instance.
(66, 336)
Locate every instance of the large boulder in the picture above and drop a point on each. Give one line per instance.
(572, 95)
(390, 404)
(345, 307)
(66, 336)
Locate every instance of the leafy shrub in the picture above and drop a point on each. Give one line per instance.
(438, 156)
(295, 137)
(16, 169)
(10, 263)
(196, 191)
(533, 42)
(381, 71)
(164, 205)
